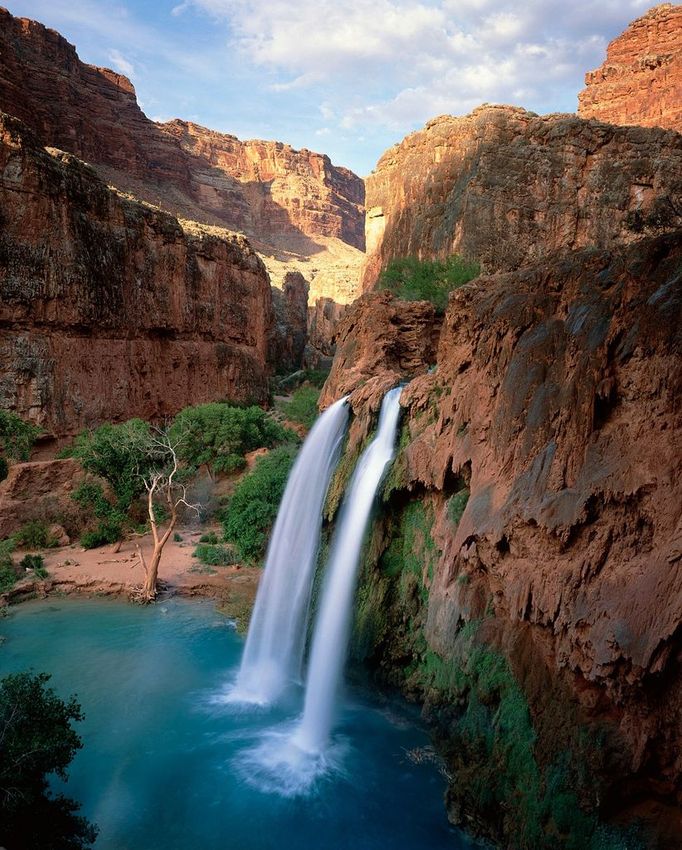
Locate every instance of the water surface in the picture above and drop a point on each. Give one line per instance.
(165, 762)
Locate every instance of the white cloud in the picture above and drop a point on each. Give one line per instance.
(395, 63)
(120, 63)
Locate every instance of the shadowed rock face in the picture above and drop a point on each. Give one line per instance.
(555, 402)
(110, 308)
(641, 79)
(278, 196)
(506, 187)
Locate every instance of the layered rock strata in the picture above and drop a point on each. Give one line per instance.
(110, 308)
(293, 204)
(506, 187)
(532, 524)
(640, 81)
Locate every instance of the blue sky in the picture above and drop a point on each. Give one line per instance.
(345, 77)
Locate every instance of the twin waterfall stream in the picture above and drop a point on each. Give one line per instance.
(293, 757)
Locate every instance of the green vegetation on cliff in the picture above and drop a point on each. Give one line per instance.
(302, 406)
(534, 786)
(427, 280)
(16, 436)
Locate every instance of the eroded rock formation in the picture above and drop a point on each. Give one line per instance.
(110, 308)
(290, 331)
(506, 187)
(292, 204)
(641, 79)
(533, 523)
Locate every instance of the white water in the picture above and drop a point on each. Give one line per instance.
(273, 654)
(330, 640)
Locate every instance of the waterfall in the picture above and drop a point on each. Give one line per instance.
(332, 627)
(273, 653)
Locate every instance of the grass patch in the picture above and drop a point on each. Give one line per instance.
(427, 280)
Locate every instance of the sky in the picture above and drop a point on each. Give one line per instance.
(348, 78)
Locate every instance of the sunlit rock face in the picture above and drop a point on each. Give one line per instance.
(506, 187)
(110, 308)
(294, 205)
(641, 79)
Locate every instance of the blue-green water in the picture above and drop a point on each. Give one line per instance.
(166, 763)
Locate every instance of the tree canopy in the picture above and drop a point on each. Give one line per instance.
(37, 739)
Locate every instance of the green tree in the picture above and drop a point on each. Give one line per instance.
(122, 455)
(218, 435)
(427, 280)
(251, 511)
(37, 739)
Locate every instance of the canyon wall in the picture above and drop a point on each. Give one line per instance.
(293, 204)
(524, 577)
(641, 79)
(506, 187)
(110, 308)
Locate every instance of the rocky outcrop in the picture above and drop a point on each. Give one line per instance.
(506, 187)
(290, 331)
(110, 308)
(323, 320)
(641, 79)
(524, 578)
(286, 201)
(40, 490)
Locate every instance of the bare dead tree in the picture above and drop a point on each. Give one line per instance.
(161, 483)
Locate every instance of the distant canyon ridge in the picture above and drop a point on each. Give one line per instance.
(106, 208)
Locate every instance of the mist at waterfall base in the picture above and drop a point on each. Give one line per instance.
(273, 655)
(156, 771)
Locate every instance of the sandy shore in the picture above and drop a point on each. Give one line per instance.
(103, 572)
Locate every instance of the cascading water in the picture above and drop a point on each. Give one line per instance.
(330, 640)
(273, 653)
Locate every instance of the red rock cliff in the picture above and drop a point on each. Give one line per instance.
(641, 80)
(554, 407)
(280, 197)
(506, 187)
(110, 308)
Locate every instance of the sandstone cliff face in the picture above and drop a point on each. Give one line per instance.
(641, 80)
(110, 308)
(546, 447)
(506, 187)
(285, 200)
(290, 331)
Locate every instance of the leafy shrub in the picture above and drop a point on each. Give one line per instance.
(38, 740)
(214, 556)
(121, 455)
(111, 519)
(177, 538)
(16, 436)
(302, 407)
(36, 535)
(35, 563)
(209, 537)
(251, 511)
(8, 574)
(427, 280)
(219, 435)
